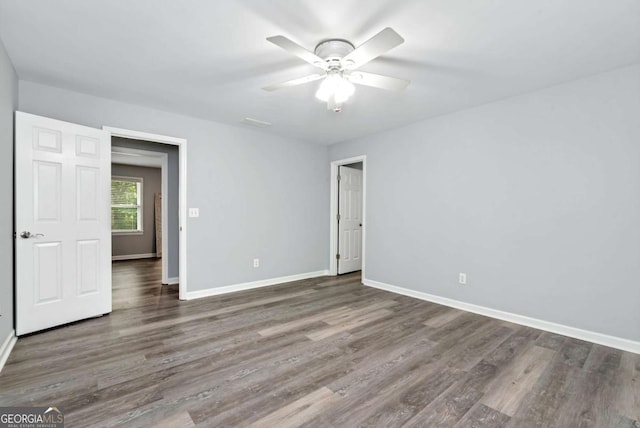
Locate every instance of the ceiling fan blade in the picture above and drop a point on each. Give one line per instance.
(295, 82)
(297, 50)
(382, 42)
(378, 81)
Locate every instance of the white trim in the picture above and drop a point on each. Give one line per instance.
(145, 136)
(333, 211)
(251, 285)
(7, 347)
(134, 256)
(126, 232)
(136, 157)
(182, 211)
(164, 208)
(590, 336)
(172, 281)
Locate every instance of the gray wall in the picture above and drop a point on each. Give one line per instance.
(259, 194)
(536, 198)
(173, 190)
(145, 243)
(8, 104)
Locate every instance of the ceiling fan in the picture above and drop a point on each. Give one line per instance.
(339, 60)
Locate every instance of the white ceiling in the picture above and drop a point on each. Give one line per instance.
(209, 59)
(126, 157)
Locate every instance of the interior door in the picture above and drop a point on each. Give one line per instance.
(349, 219)
(63, 222)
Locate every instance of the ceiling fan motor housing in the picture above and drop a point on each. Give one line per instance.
(332, 51)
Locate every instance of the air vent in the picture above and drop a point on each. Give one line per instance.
(255, 122)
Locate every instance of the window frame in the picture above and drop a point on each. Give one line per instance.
(140, 229)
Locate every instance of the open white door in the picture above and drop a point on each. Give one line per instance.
(63, 222)
(349, 220)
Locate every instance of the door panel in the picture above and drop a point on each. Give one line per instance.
(47, 186)
(88, 265)
(350, 223)
(87, 192)
(48, 272)
(87, 147)
(63, 179)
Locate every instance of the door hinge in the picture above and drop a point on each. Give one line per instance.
(339, 178)
(338, 217)
(337, 256)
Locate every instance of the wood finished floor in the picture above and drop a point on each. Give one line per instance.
(324, 352)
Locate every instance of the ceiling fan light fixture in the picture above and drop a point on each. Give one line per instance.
(337, 86)
(338, 59)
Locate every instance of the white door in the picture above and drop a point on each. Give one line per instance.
(349, 220)
(63, 222)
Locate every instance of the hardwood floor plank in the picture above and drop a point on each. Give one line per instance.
(574, 352)
(595, 391)
(550, 340)
(628, 400)
(509, 388)
(481, 416)
(349, 324)
(301, 322)
(210, 314)
(300, 411)
(448, 408)
(477, 347)
(322, 352)
(348, 316)
(179, 420)
(443, 318)
(399, 402)
(542, 405)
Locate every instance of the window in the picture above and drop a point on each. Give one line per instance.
(126, 205)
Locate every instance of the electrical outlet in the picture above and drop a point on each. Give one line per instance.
(194, 212)
(256, 263)
(462, 278)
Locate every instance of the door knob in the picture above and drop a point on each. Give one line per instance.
(27, 235)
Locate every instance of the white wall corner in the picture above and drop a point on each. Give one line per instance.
(7, 347)
(577, 333)
(254, 284)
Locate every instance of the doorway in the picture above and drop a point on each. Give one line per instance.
(171, 151)
(139, 211)
(347, 216)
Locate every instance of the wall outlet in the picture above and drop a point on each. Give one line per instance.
(194, 212)
(462, 278)
(256, 263)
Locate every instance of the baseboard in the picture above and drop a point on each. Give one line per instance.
(134, 256)
(589, 336)
(6, 348)
(172, 281)
(251, 285)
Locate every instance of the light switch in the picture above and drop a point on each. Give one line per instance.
(194, 212)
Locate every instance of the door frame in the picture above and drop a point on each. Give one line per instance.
(164, 189)
(333, 211)
(182, 204)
